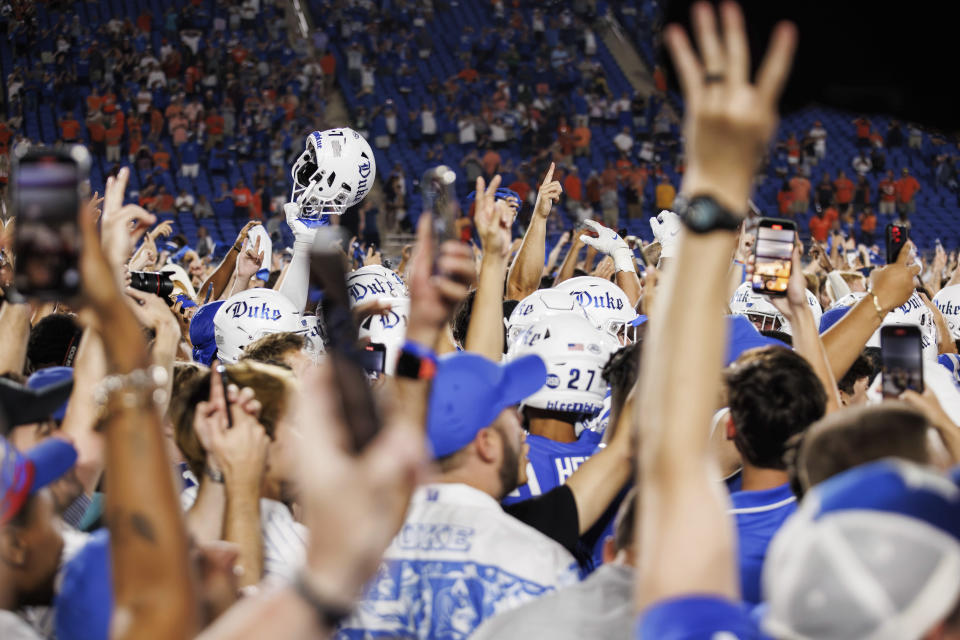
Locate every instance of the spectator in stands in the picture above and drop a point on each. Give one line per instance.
(862, 125)
(214, 130)
(825, 191)
(189, 158)
(664, 194)
(223, 203)
(623, 141)
(785, 199)
(800, 187)
(573, 188)
(164, 201)
(819, 136)
(868, 226)
(243, 201)
(820, 226)
(861, 164)
(581, 140)
(894, 135)
(907, 188)
(69, 128)
(97, 132)
(203, 208)
(491, 163)
(161, 159)
(205, 244)
(184, 202)
(888, 195)
(915, 137)
(843, 189)
(112, 137)
(861, 195)
(878, 160)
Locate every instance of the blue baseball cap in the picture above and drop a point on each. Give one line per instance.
(43, 378)
(23, 474)
(871, 552)
(84, 603)
(469, 392)
(263, 274)
(742, 336)
(202, 335)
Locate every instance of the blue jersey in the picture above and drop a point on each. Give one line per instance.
(551, 463)
(696, 618)
(759, 514)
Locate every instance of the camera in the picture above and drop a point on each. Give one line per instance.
(154, 282)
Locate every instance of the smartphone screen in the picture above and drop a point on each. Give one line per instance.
(774, 253)
(896, 237)
(373, 357)
(901, 354)
(46, 203)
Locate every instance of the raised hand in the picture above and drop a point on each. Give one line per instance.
(894, 284)
(728, 121)
(493, 229)
(550, 191)
(608, 241)
(372, 257)
(249, 261)
(666, 229)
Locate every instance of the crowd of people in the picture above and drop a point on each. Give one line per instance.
(610, 439)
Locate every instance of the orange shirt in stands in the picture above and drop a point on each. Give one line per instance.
(907, 188)
(215, 124)
(69, 129)
(97, 131)
(844, 190)
(165, 202)
(888, 190)
(242, 197)
(800, 187)
(820, 228)
(868, 222)
(573, 187)
(581, 137)
(784, 200)
(522, 188)
(162, 159)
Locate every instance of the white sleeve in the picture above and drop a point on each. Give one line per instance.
(297, 280)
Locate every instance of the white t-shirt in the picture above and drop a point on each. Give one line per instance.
(458, 560)
(428, 122)
(13, 627)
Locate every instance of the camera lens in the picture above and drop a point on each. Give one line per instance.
(152, 282)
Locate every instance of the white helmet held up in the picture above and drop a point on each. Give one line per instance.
(605, 303)
(538, 305)
(388, 329)
(948, 301)
(252, 314)
(374, 282)
(575, 352)
(335, 171)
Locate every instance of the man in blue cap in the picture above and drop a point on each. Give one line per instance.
(31, 542)
(459, 558)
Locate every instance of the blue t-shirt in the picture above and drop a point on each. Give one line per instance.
(696, 618)
(759, 514)
(551, 463)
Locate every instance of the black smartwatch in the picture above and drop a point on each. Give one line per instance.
(703, 214)
(416, 361)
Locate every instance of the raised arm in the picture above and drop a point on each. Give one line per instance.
(153, 593)
(527, 269)
(220, 277)
(608, 241)
(485, 333)
(890, 286)
(806, 335)
(15, 329)
(570, 260)
(248, 263)
(728, 125)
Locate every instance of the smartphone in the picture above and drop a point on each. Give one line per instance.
(897, 236)
(901, 356)
(373, 357)
(225, 381)
(773, 253)
(48, 189)
(358, 409)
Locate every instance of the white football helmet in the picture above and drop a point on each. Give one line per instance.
(373, 282)
(389, 329)
(254, 313)
(761, 312)
(334, 172)
(948, 301)
(605, 303)
(575, 352)
(538, 305)
(914, 312)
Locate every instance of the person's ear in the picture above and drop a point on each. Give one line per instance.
(731, 428)
(13, 547)
(488, 444)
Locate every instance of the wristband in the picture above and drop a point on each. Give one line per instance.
(235, 248)
(876, 305)
(214, 474)
(623, 260)
(416, 362)
(328, 615)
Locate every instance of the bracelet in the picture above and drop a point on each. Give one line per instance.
(329, 615)
(135, 389)
(214, 474)
(876, 305)
(235, 248)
